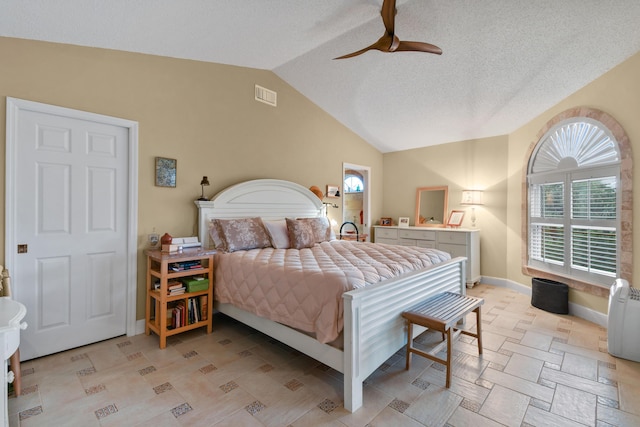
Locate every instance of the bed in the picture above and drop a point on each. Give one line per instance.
(373, 329)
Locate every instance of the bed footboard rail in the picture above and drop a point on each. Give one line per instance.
(373, 327)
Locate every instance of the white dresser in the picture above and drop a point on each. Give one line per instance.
(455, 241)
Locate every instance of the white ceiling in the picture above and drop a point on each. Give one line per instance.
(504, 61)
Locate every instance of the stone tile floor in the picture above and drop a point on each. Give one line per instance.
(538, 369)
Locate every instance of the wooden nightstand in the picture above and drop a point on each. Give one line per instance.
(170, 309)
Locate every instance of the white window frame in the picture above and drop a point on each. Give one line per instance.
(567, 171)
(568, 223)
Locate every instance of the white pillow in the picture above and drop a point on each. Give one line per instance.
(278, 233)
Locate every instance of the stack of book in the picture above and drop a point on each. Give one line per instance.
(175, 288)
(185, 265)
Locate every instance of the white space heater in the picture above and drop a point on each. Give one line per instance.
(624, 321)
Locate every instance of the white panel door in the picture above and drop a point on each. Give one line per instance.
(71, 179)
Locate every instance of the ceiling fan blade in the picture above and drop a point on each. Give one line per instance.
(389, 42)
(383, 44)
(388, 13)
(418, 47)
(356, 53)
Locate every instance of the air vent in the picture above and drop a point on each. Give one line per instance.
(267, 96)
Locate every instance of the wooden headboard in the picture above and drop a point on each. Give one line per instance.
(265, 198)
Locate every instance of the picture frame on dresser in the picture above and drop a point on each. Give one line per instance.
(455, 218)
(403, 221)
(386, 221)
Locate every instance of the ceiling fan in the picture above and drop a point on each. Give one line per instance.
(389, 42)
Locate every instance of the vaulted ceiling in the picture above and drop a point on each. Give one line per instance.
(503, 62)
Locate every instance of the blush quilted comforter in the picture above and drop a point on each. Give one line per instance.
(302, 288)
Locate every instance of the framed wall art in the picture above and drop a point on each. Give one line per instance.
(166, 172)
(333, 191)
(455, 219)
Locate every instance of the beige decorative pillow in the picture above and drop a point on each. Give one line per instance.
(243, 233)
(321, 228)
(278, 232)
(300, 233)
(215, 235)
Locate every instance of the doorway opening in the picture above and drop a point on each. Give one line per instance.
(356, 197)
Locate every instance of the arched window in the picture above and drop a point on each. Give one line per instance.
(353, 183)
(575, 200)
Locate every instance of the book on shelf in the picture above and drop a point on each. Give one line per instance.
(175, 323)
(198, 309)
(175, 287)
(180, 314)
(174, 284)
(193, 311)
(185, 265)
(183, 311)
(178, 318)
(204, 307)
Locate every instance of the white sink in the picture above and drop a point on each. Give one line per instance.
(11, 313)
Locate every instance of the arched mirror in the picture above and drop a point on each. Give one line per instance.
(431, 206)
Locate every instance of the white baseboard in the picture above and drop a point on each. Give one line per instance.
(139, 326)
(505, 283)
(574, 309)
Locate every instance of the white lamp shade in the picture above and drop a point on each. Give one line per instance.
(471, 197)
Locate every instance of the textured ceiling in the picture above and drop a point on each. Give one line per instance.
(504, 61)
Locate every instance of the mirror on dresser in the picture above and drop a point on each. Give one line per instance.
(431, 206)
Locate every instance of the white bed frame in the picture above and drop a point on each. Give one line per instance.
(373, 327)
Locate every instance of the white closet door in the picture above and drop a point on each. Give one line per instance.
(71, 230)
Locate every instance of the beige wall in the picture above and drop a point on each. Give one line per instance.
(204, 116)
(616, 93)
(201, 114)
(475, 164)
(496, 165)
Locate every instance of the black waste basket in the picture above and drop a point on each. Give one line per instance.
(549, 295)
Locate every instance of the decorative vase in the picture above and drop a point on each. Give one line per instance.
(166, 239)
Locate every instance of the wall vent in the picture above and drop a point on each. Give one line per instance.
(267, 96)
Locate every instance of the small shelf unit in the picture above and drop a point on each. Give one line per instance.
(160, 304)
